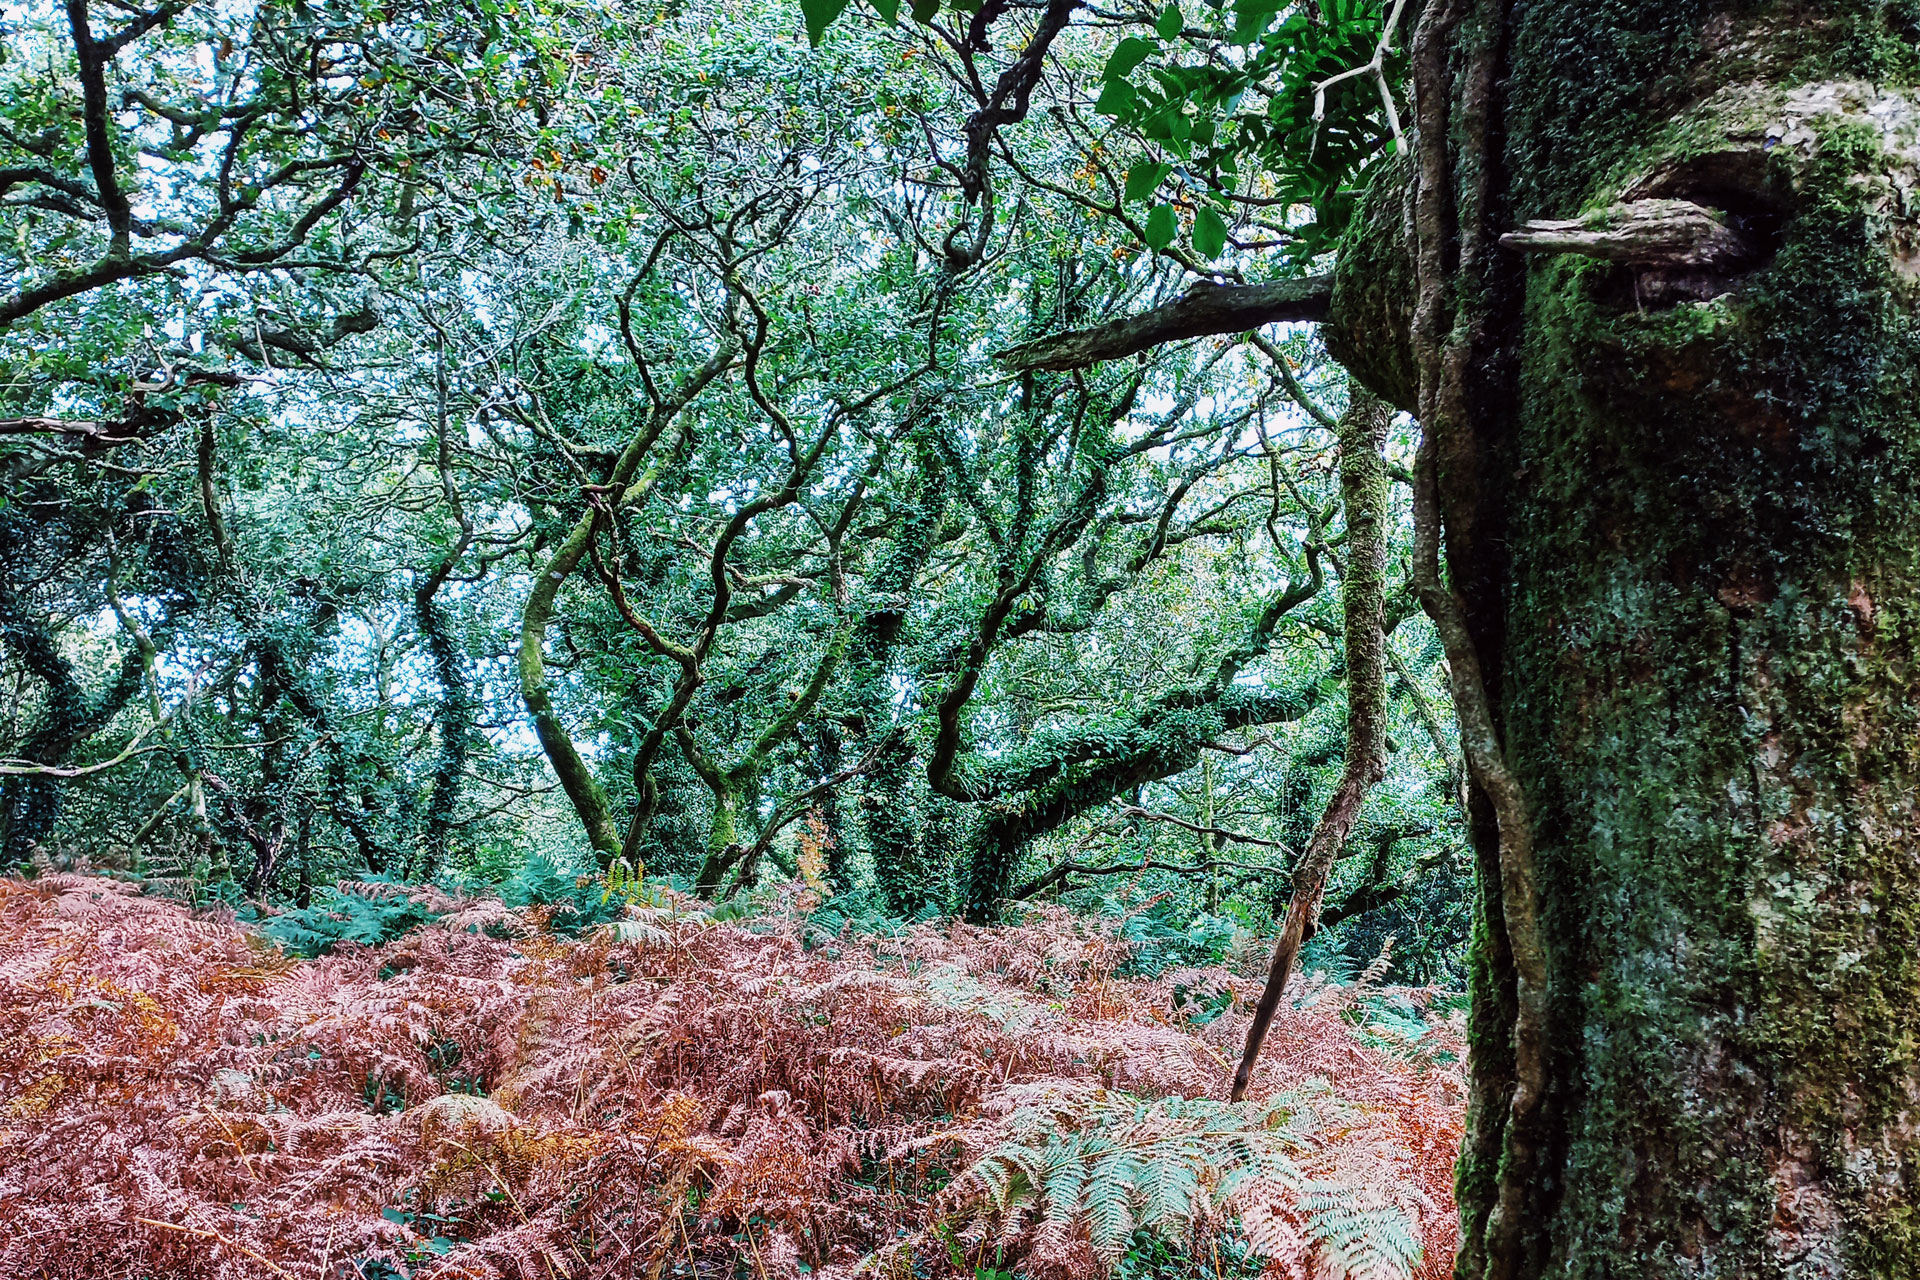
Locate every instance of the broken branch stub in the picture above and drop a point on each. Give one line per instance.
(1648, 233)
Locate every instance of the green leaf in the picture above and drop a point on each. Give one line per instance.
(923, 10)
(820, 15)
(1161, 226)
(1144, 178)
(1170, 22)
(392, 1214)
(1127, 55)
(1209, 233)
(1116, 99)
(887, 9)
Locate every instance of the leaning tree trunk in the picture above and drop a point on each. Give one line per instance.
(1363, 491)
(1673, 429)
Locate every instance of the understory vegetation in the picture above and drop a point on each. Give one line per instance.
(503, 1093)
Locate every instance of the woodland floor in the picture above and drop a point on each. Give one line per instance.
(673, 1096)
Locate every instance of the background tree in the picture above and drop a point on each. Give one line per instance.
(704, 324)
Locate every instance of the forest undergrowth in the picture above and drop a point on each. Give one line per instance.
(670, 1094)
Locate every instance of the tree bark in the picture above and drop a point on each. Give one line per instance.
(1363, 486)
(454, 719)
(1206, 308)
(1678, 494)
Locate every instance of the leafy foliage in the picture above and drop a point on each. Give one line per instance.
(311, 565)
(369, 913)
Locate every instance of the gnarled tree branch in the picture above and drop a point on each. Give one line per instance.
(1203, 310)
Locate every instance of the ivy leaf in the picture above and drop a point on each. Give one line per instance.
(887, 9)
(1144, 178)
(923, 10)
(1209, 233)
(1170, 22)
(1161, 226)
(820, 15)
(1127, 55)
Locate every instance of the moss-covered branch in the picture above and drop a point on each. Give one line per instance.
(1364, 489)
(1204, 310)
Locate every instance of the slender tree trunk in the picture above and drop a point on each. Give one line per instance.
(455, 716)
(1678, 489)
(455, 721)
(736, 787)
(1363, 486)
(626, 483)
(829, 757)
(894, 834)
(575, 774)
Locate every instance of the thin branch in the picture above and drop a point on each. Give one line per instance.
(1134, 811)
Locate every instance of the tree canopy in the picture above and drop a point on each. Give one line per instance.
(439, 433)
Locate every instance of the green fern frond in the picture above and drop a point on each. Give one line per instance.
(1114, 1165)
(1361, 1235)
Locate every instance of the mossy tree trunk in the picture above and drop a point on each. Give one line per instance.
(1679, 491)
(626, 483)
(895, 838)
(1363, 491)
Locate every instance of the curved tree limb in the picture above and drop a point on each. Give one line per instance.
(1451, 268)
(1012, 94)
(1204, 310)
(1066, 870)
(1149, 815)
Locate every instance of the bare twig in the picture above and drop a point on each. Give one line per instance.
(1377, 68)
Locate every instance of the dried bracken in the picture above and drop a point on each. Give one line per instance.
(674, 1096)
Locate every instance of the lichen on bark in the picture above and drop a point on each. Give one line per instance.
(1371, 309)
(1694, 544)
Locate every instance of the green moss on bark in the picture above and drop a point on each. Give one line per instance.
(1714, 700)
(1371, 311)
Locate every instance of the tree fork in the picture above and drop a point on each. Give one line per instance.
(624, 485)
